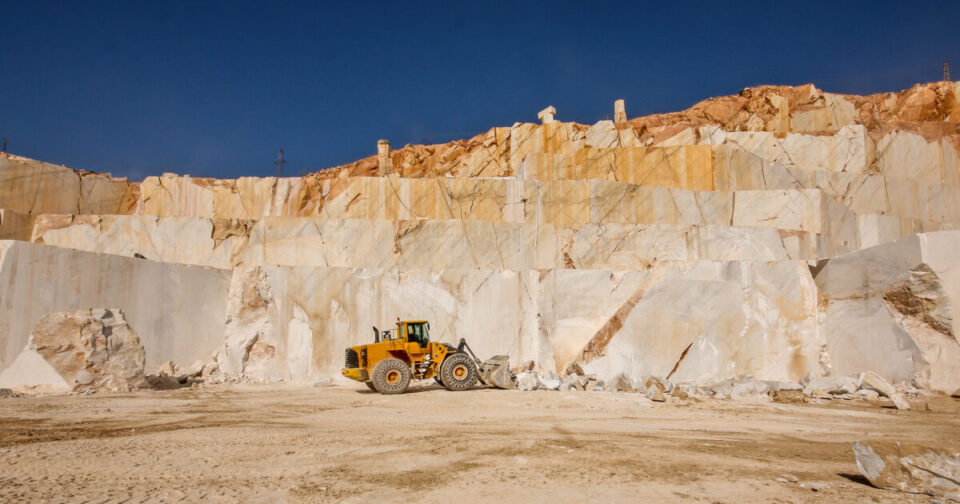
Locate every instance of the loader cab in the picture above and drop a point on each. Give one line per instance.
(415, 332)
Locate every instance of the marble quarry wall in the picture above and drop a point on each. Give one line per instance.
(178, 311)
(889, 309)
(779, 233)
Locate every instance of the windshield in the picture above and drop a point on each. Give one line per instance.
(419, 333)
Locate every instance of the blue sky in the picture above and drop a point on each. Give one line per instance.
(215, 88)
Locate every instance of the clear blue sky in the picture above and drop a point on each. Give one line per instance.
(214, 88)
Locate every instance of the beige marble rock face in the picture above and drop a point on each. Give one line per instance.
(849, 150)
(32, 187)
(283, 322)
(889, 309)
(908, 156)
(429, 245)
(178, 311)
(835, 113)
(761, 316)
(717, 320)
(181, 240)
(432, 244)
(792, 210)
(875, 229)
(15, 225)
(27, 186)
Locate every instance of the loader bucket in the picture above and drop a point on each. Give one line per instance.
(495, 371)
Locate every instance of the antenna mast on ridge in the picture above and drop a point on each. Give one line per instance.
(280, 162)
(946, 71)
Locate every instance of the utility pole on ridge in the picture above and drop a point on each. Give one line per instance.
(280, 162)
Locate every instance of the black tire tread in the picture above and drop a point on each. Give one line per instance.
(380, 376)
(446, 372)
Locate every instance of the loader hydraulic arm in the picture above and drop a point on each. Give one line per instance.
(463, 346)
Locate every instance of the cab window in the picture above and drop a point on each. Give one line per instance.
(418, 333)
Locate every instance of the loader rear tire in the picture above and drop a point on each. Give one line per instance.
(458, 372)
(391, 376)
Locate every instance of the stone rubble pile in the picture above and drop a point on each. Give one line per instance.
(867, 386)
(784, 233)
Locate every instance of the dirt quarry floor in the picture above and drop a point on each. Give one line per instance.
(285, 443)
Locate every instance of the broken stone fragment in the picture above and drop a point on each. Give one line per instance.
(662, 384)
(569, 382)
(832, 385)
(591, 383)
(573, 369)
(550, 380)
(527, 381)
(820, 386)
(910, 468)
(872, 381)
(192, 371)
(211, 368)
(685, 390)
(900, 401)
(720, 389)
(523, 367)
(655, 393)
(168, 368)
(81, 350)
(623, 383)
(582, 382)
(747, 387)
(846, 385)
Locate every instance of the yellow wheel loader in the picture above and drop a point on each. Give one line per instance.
(395, 358)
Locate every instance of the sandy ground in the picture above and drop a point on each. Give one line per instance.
(285, 443)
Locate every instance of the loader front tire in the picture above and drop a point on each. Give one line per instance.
(391, 376)
(458, 372)
(370, 386)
